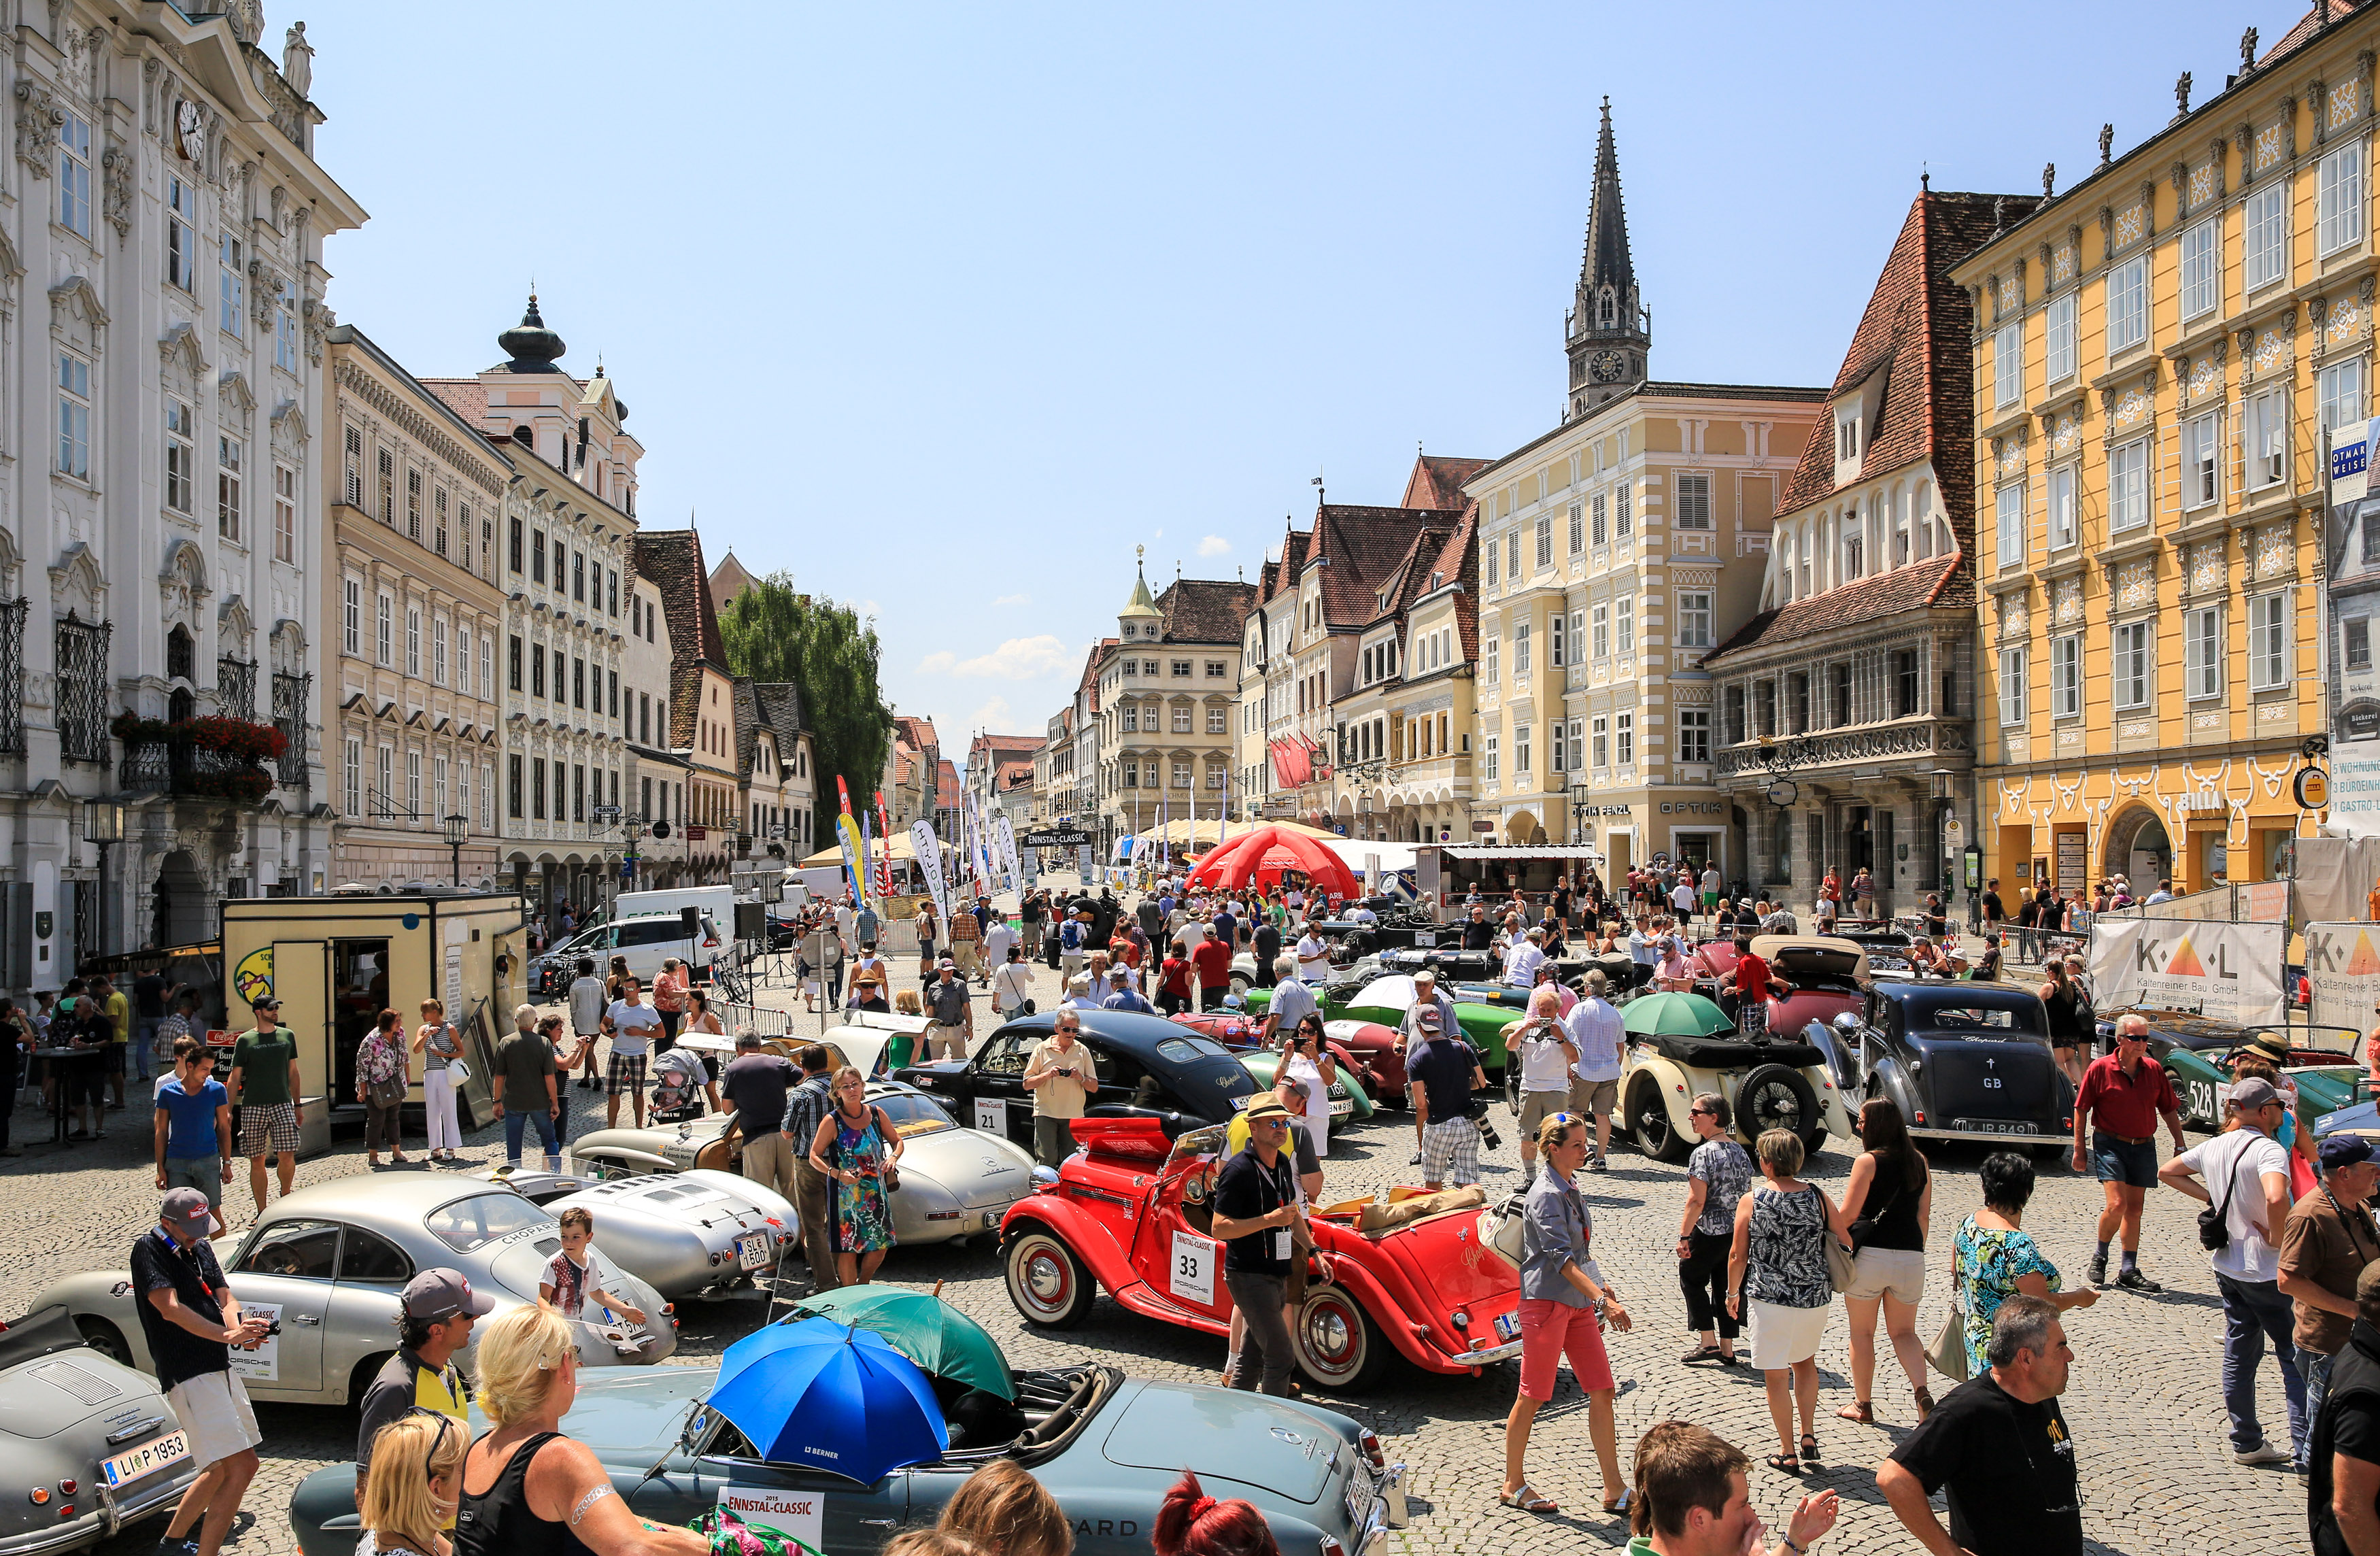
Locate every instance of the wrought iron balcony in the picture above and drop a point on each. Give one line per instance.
(175, 767)
(1906, 737)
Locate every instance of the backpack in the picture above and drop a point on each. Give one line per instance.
(1070, 938)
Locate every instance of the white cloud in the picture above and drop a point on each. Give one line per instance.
(993, 714)
(1014, 600)
(1019, 658)
(1213, 545)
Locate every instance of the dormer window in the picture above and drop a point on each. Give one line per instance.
(1847, 437)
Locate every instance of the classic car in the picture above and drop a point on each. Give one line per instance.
(954, 1181)
(686, 1234)
(1132, 1212)
(2197, 1052)
(1964, 1061)
(1387, 998)
(1777, 1080)
(1146, 1064)
(1885, 947)
(1829, 976)
(1350, 1099)
(867, 1049)
(325, 1266)
(95, 1445)
(1106, 1446)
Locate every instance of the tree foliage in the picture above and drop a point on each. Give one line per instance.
(775, 632)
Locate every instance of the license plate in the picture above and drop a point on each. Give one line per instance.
(753, 1252)
(1992, 1125)
(1359, 1491)
(151, 1455)
(1342, 1108)
(1508, 1326)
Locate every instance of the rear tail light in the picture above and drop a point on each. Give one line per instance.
(66, 1510)
(40, 1494)
(942, 1215)
(66, 1487)
(1332, 1548)
(1372, 1451)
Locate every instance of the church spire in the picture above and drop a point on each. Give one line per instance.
(1609, 332)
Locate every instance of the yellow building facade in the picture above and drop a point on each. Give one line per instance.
(2159, 354)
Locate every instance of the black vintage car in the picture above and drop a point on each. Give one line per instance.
(1964, 1062)
(1887, 948)
(1146, 1064)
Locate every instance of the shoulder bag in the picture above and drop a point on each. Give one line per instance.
(2215, 1221)
(1842, 1265)
(1948, 1353)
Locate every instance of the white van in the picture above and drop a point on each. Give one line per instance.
(717, 901)
(645, 939)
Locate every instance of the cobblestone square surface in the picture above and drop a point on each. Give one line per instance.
(2144, 1406)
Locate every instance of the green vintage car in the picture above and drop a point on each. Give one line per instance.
(1349, 1101)
(1386, 999)
(2197, 1052)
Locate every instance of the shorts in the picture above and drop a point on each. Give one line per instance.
(1782, 1335)
(268, 1128)
(1896, 1272)
(625, 1073)
(1710, 902)
(1551, 1330)
(1449, 1152)
(1600, 1097)
(2120, 1161)
(201, 1172)
(1537, 1105)
(215, 1415)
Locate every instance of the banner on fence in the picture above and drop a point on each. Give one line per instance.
(2229, 971)
(2342, 962)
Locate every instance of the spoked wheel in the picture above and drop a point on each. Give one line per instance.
(1338, 1345)
(1045, 1281)
(1648, 1119)
(1774, 1097)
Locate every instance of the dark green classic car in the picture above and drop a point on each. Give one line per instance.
(2197, 1052)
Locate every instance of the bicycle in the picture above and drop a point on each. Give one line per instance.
(732, 983)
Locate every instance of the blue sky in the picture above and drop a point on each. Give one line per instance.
(946, 308)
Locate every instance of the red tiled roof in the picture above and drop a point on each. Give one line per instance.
(1362, 547)
(917, 732)
(1943, 580)
(2307, 25)
(1281, 576)
(673, 559)
(946, 786)
(1436, 481)
(1458, 561)
(1012, 773)
(466, 397)
(1205, 610)
(1916, 331)
(1093, 660)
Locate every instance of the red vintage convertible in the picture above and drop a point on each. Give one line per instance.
(1132, 1212)
(1366, 1047)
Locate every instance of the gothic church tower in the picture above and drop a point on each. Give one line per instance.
(1609, 330)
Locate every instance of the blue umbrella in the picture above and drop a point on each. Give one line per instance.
(822, 1396)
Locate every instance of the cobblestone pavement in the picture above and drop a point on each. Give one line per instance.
(2145, 1405)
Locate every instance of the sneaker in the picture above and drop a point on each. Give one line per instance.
(1601, 1164)
(2263, 1454)
(2132, 1279)
(168, 1546)
(1416, 1160)
(2099, 1269)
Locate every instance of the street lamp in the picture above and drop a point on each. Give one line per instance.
(102, 824)
(458, 828)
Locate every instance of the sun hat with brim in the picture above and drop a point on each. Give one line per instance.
(2271, 1045)
(1267, 1105)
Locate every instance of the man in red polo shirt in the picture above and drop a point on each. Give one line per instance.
(2124, 1094)
(1213, 959)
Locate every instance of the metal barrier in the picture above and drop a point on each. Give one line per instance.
(768, 1022)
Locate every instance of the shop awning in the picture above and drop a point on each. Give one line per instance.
(1520, 851)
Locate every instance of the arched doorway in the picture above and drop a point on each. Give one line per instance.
(179, 902)
(2138, 849)
(1521, 827)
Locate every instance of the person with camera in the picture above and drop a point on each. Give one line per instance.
(191, 1320)
(1545, 1052)
(1442, 1070)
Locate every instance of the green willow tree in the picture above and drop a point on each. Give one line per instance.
(775, 632)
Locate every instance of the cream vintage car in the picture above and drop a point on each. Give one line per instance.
(1779, 1080)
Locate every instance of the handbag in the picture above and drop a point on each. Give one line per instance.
(1947, 1352)
(2215, 1223)
(1842, 1265)
(387, 1093)
(459, 1070)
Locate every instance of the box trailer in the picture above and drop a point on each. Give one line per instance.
(335, 963)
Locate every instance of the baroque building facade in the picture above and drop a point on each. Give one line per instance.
(564, 561)
(1615, 554)
(161, 225)
(1166, 697)
(409, 707)
(1846, 711)
(2159, 353)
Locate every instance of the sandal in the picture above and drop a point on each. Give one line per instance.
(1700, 1353)
(1527, 1499)
(1785, 1462)
(1924, 1402)
(1809, 1446)
(1862, 1411)
(1618, 1507)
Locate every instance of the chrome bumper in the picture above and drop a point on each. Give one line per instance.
(107, 1515)
(1505, 1352)
(2061, 1138)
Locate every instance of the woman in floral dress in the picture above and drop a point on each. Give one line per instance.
(383, 1076)
(857, 1147)
(1992, 1257)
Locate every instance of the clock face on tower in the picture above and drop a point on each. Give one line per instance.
(1606, 366)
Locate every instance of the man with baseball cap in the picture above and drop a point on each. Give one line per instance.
(1260, 1219)
(1441, 1072)
(1123, 996)
(2246, 1176)
(2327, 1243)
(265, 1089)
(191, 1321)
(950, 1010)
(435, 1319)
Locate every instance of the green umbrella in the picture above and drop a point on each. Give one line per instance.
(1674, 1015)
(921, 1326)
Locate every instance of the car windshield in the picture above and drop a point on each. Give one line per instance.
(1988, 1021)
(466, 1225)
(1181, 1051)
(913, 1114)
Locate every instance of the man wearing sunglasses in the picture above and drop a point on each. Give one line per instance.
(1061, 1075)
(434, 1320)
(1260, 1218)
